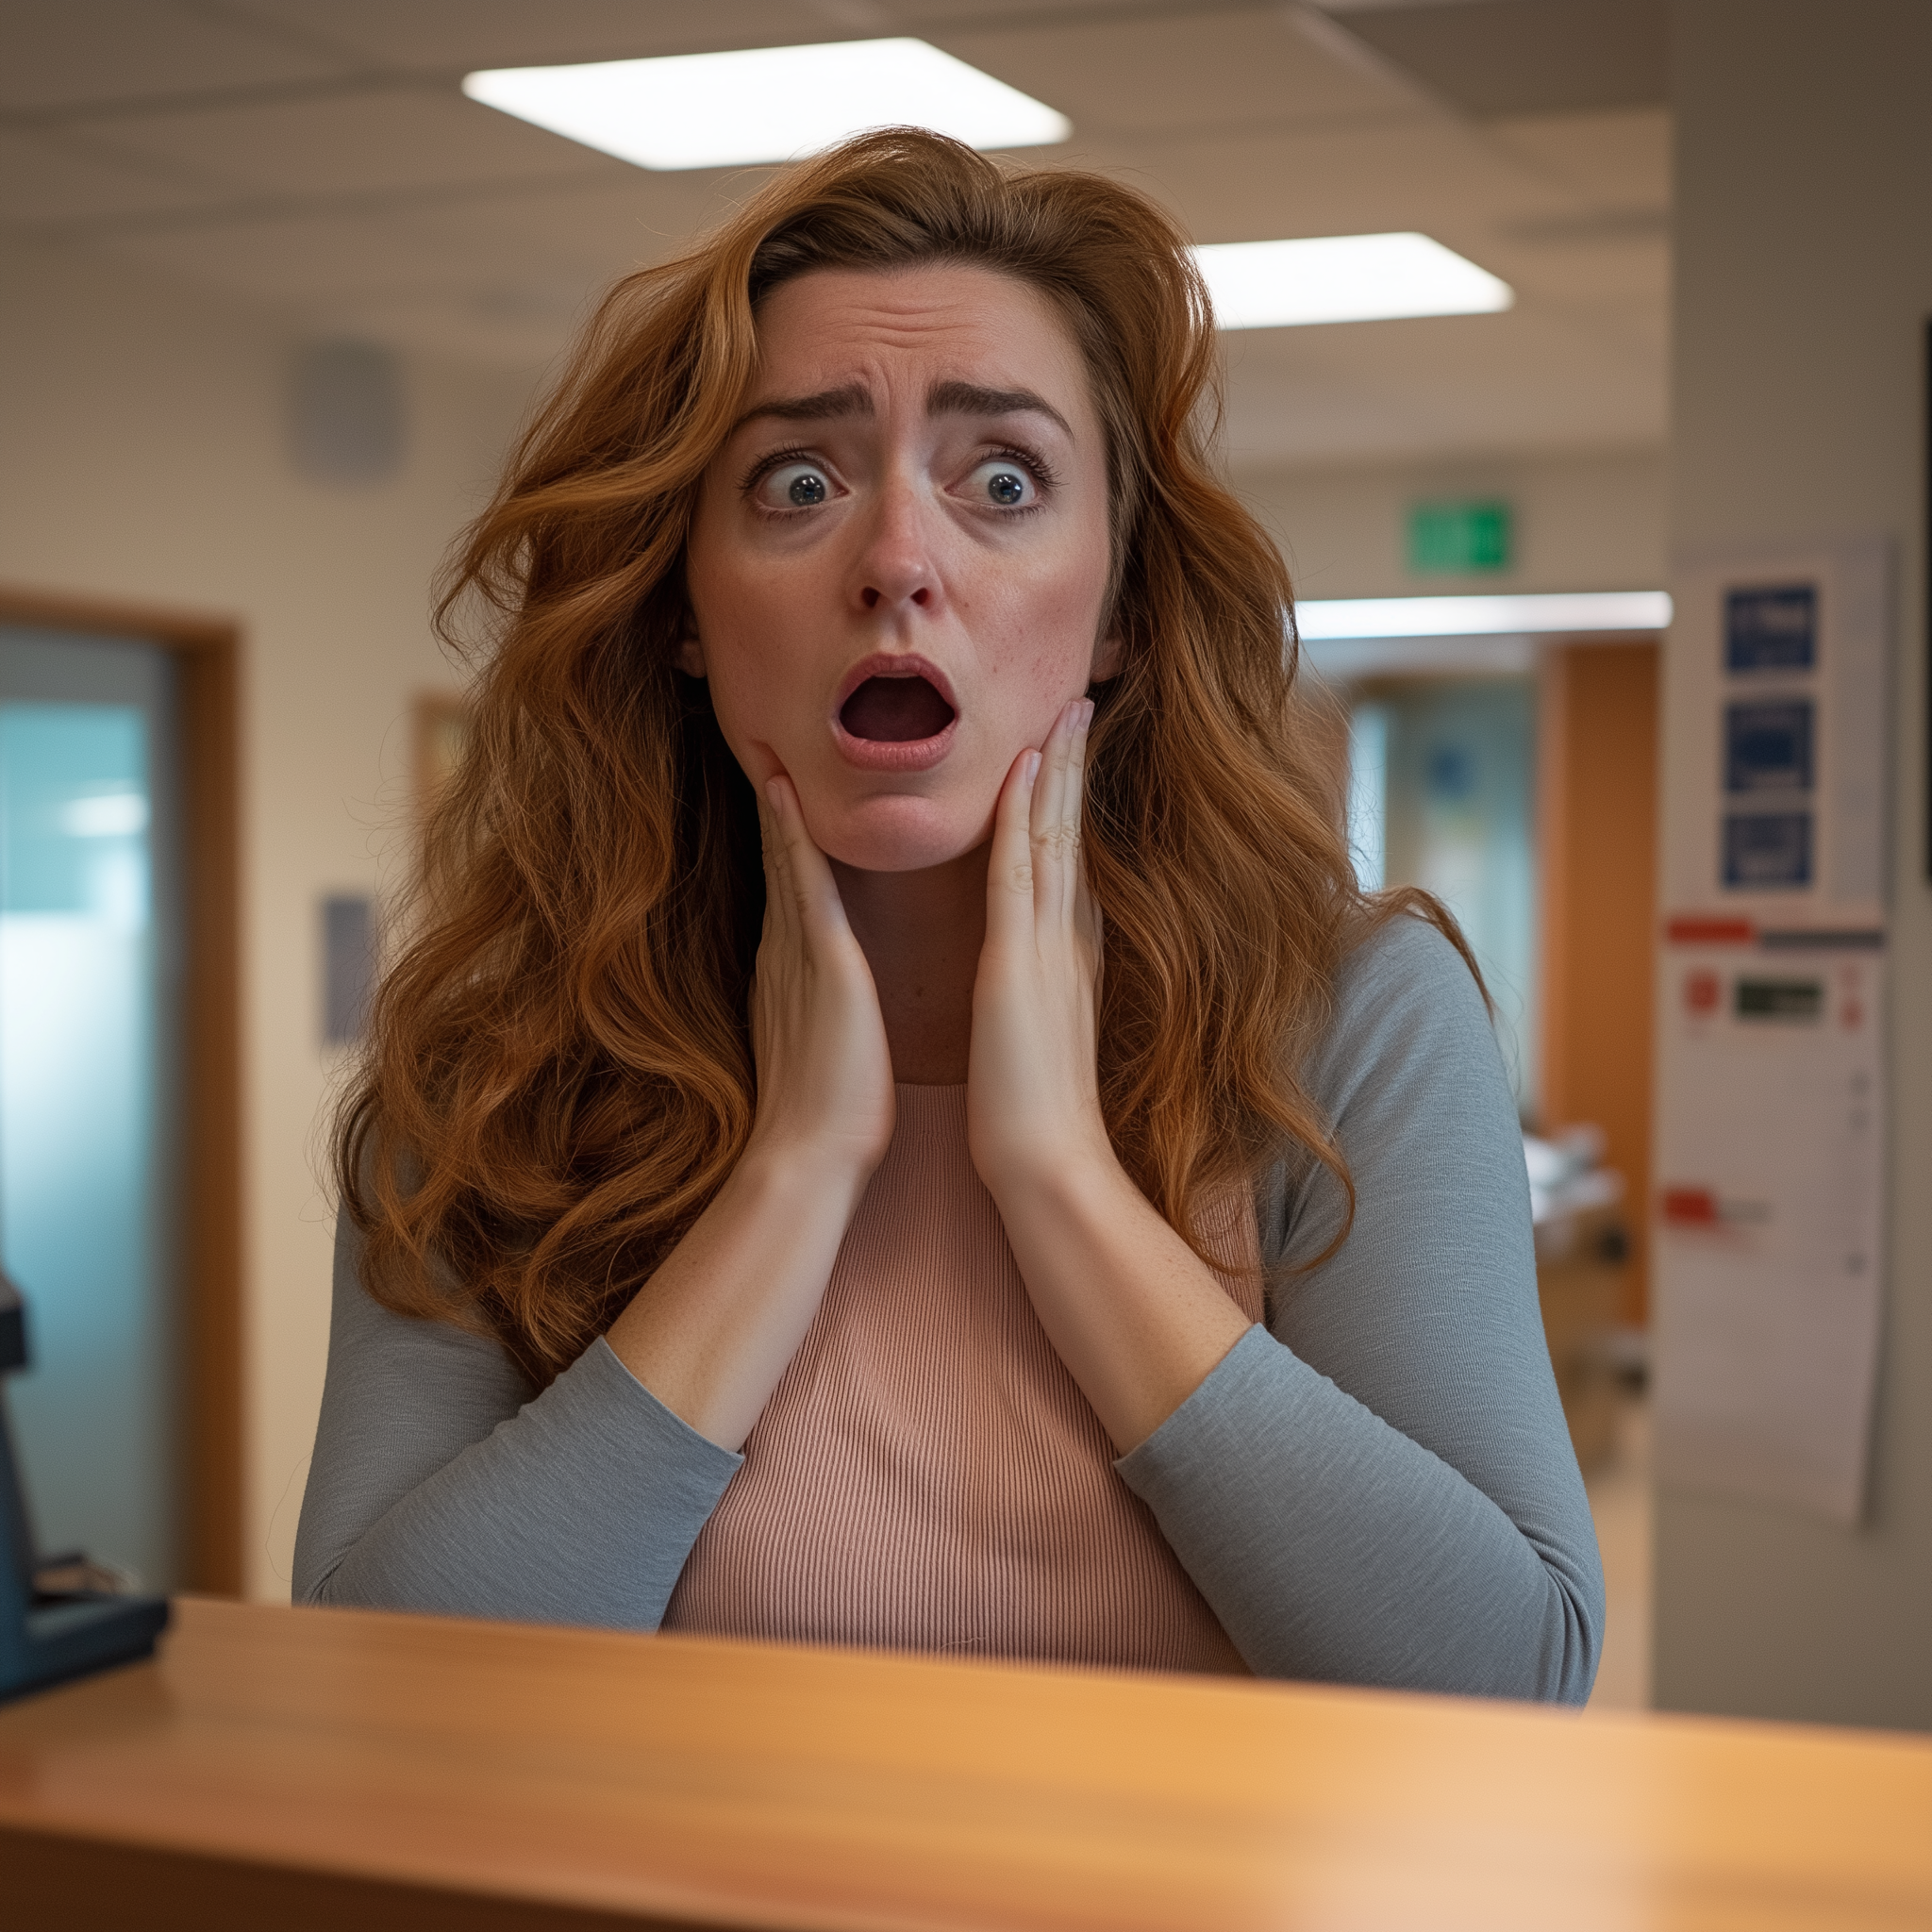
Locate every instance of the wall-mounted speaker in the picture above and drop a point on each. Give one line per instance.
(348, 967)
(345, 412)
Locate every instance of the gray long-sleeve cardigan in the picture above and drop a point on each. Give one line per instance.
(1376, 1489)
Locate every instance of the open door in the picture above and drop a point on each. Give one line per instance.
(119, 1117)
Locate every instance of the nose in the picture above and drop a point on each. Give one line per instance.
(896, 569)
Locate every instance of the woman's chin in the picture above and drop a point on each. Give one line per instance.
(897, 834)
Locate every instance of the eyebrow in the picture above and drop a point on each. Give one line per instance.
(943, 399)
(970, 399)
(851, 399)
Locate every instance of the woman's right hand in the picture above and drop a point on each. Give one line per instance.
(712, 1330)
(825, 1071)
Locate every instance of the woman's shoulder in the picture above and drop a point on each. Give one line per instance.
(1410, 1080)
(1404, 998)
(1403, 959)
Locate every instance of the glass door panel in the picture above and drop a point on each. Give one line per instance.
(1443, 786)
(89, 961)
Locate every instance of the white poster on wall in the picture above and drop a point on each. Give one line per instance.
(1770, 1147)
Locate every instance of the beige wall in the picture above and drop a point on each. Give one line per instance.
(1589, 521)
(1803, 281)
(143, 459)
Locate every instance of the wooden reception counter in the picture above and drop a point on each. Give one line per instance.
(297, 1769)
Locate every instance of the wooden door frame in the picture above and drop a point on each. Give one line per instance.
(206, 650)
(1560, 888)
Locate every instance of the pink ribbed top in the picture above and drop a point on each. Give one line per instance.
(927, 1476)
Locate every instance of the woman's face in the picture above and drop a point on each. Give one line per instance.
(900, 556)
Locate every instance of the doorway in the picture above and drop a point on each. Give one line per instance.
(119, 1117)
(1527, 802)
(89, 1023)
(1442, 795)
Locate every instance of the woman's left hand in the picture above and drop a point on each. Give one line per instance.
(1032, 1084)
(1131, 1310)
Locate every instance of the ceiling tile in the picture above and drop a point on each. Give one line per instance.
(447, 36)
(294, 263)
(1619, 159)
(525, 270)
(45, 180)
(451, 329)
(60, 53)
(520, 271)
(949, 16)
(1452, 384)
(1221, 70)
(444, 35)
(599, 231)
(1635, 329)
(1417, 172)
(1505, 56)
(393, 140)
(387, 206)
(1579, 266)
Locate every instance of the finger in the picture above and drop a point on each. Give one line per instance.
(781, 905)
(1088, 921)
(1010, 871)
(1055, 819)
(814, 890)
(1085, 912)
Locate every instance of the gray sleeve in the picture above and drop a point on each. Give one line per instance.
(440, 1483)
(1382, 1491)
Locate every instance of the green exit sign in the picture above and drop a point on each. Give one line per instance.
(1459, 538)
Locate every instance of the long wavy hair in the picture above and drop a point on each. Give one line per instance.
(558, 1076)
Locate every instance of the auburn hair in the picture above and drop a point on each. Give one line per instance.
(559, 1076)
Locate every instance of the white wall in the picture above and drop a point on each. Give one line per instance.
(1803, 280)
(141, 458)
(1594, 520)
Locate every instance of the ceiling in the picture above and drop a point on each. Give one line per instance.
(316, 158)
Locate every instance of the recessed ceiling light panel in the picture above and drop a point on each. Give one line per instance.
(1344, 279)
(766, 104)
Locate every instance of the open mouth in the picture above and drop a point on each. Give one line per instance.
(895, 711)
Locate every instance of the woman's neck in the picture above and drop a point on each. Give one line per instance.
(920, 933)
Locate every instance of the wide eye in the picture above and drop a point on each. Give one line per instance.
(1003, 484)
(795, 486)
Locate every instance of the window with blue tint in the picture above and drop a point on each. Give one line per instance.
(85, 1216)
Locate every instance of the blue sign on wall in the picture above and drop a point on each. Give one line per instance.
(1768, 850)
(1771, 627)
(1768, 746)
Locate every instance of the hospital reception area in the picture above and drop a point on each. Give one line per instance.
(962, 964)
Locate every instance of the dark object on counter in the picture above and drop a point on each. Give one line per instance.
(48, 1634)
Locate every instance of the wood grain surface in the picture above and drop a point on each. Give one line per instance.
(311, 1768)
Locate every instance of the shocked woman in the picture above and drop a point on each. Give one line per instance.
(895, 1124)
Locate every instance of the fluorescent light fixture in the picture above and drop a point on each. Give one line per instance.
(1325, 619)
(1344, 279)
(766, 104)
(1348, 660)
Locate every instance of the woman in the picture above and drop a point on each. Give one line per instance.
(897, 1126)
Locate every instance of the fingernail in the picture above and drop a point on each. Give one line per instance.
(771, 794)
(1032, 766)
